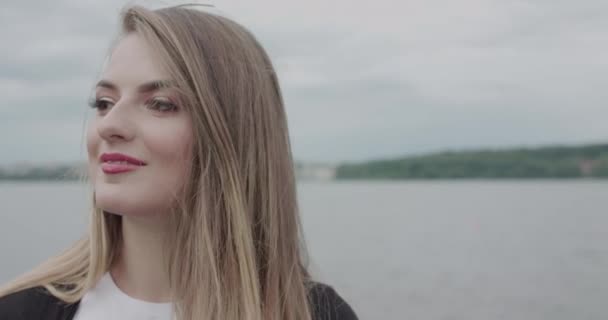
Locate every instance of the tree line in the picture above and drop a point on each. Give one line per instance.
(544, 162)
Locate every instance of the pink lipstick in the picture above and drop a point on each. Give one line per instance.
(113, 163)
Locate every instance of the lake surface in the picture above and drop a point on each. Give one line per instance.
(402, 250)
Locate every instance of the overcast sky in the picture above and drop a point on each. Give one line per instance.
(361, 79)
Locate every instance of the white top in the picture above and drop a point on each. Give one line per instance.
(107, 301)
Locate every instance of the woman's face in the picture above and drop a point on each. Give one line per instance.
(138, 115)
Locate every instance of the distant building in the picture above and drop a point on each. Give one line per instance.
(315, 171)
(586, 167)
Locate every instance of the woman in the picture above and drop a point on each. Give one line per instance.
(194, 212)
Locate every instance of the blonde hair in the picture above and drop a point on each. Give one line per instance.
(237, 250)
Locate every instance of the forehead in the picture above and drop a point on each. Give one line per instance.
(132, 61)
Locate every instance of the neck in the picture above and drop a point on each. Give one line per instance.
(139, 269)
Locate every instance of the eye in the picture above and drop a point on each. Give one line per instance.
(162, 105)
(100, 104)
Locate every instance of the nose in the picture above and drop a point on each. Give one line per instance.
(115, 124)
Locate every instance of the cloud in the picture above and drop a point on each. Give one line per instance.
(361, 79)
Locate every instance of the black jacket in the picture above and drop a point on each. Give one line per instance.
(38, 304)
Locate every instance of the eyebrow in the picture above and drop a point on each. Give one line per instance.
(143, 88)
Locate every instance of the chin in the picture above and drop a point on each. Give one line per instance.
(120, 203)
(113, 201)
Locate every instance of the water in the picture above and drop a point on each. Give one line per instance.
(402, 250)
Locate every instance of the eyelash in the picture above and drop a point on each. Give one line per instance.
(101, 104)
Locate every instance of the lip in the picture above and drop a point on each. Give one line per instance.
(131, 163)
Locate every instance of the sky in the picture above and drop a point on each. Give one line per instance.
(362, 80)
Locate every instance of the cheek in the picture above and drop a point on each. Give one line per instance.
(173, 148)
(172, 155)
(92, 141)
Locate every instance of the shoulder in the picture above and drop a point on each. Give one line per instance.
(327, 304)
(15, 305)
(32, 303)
